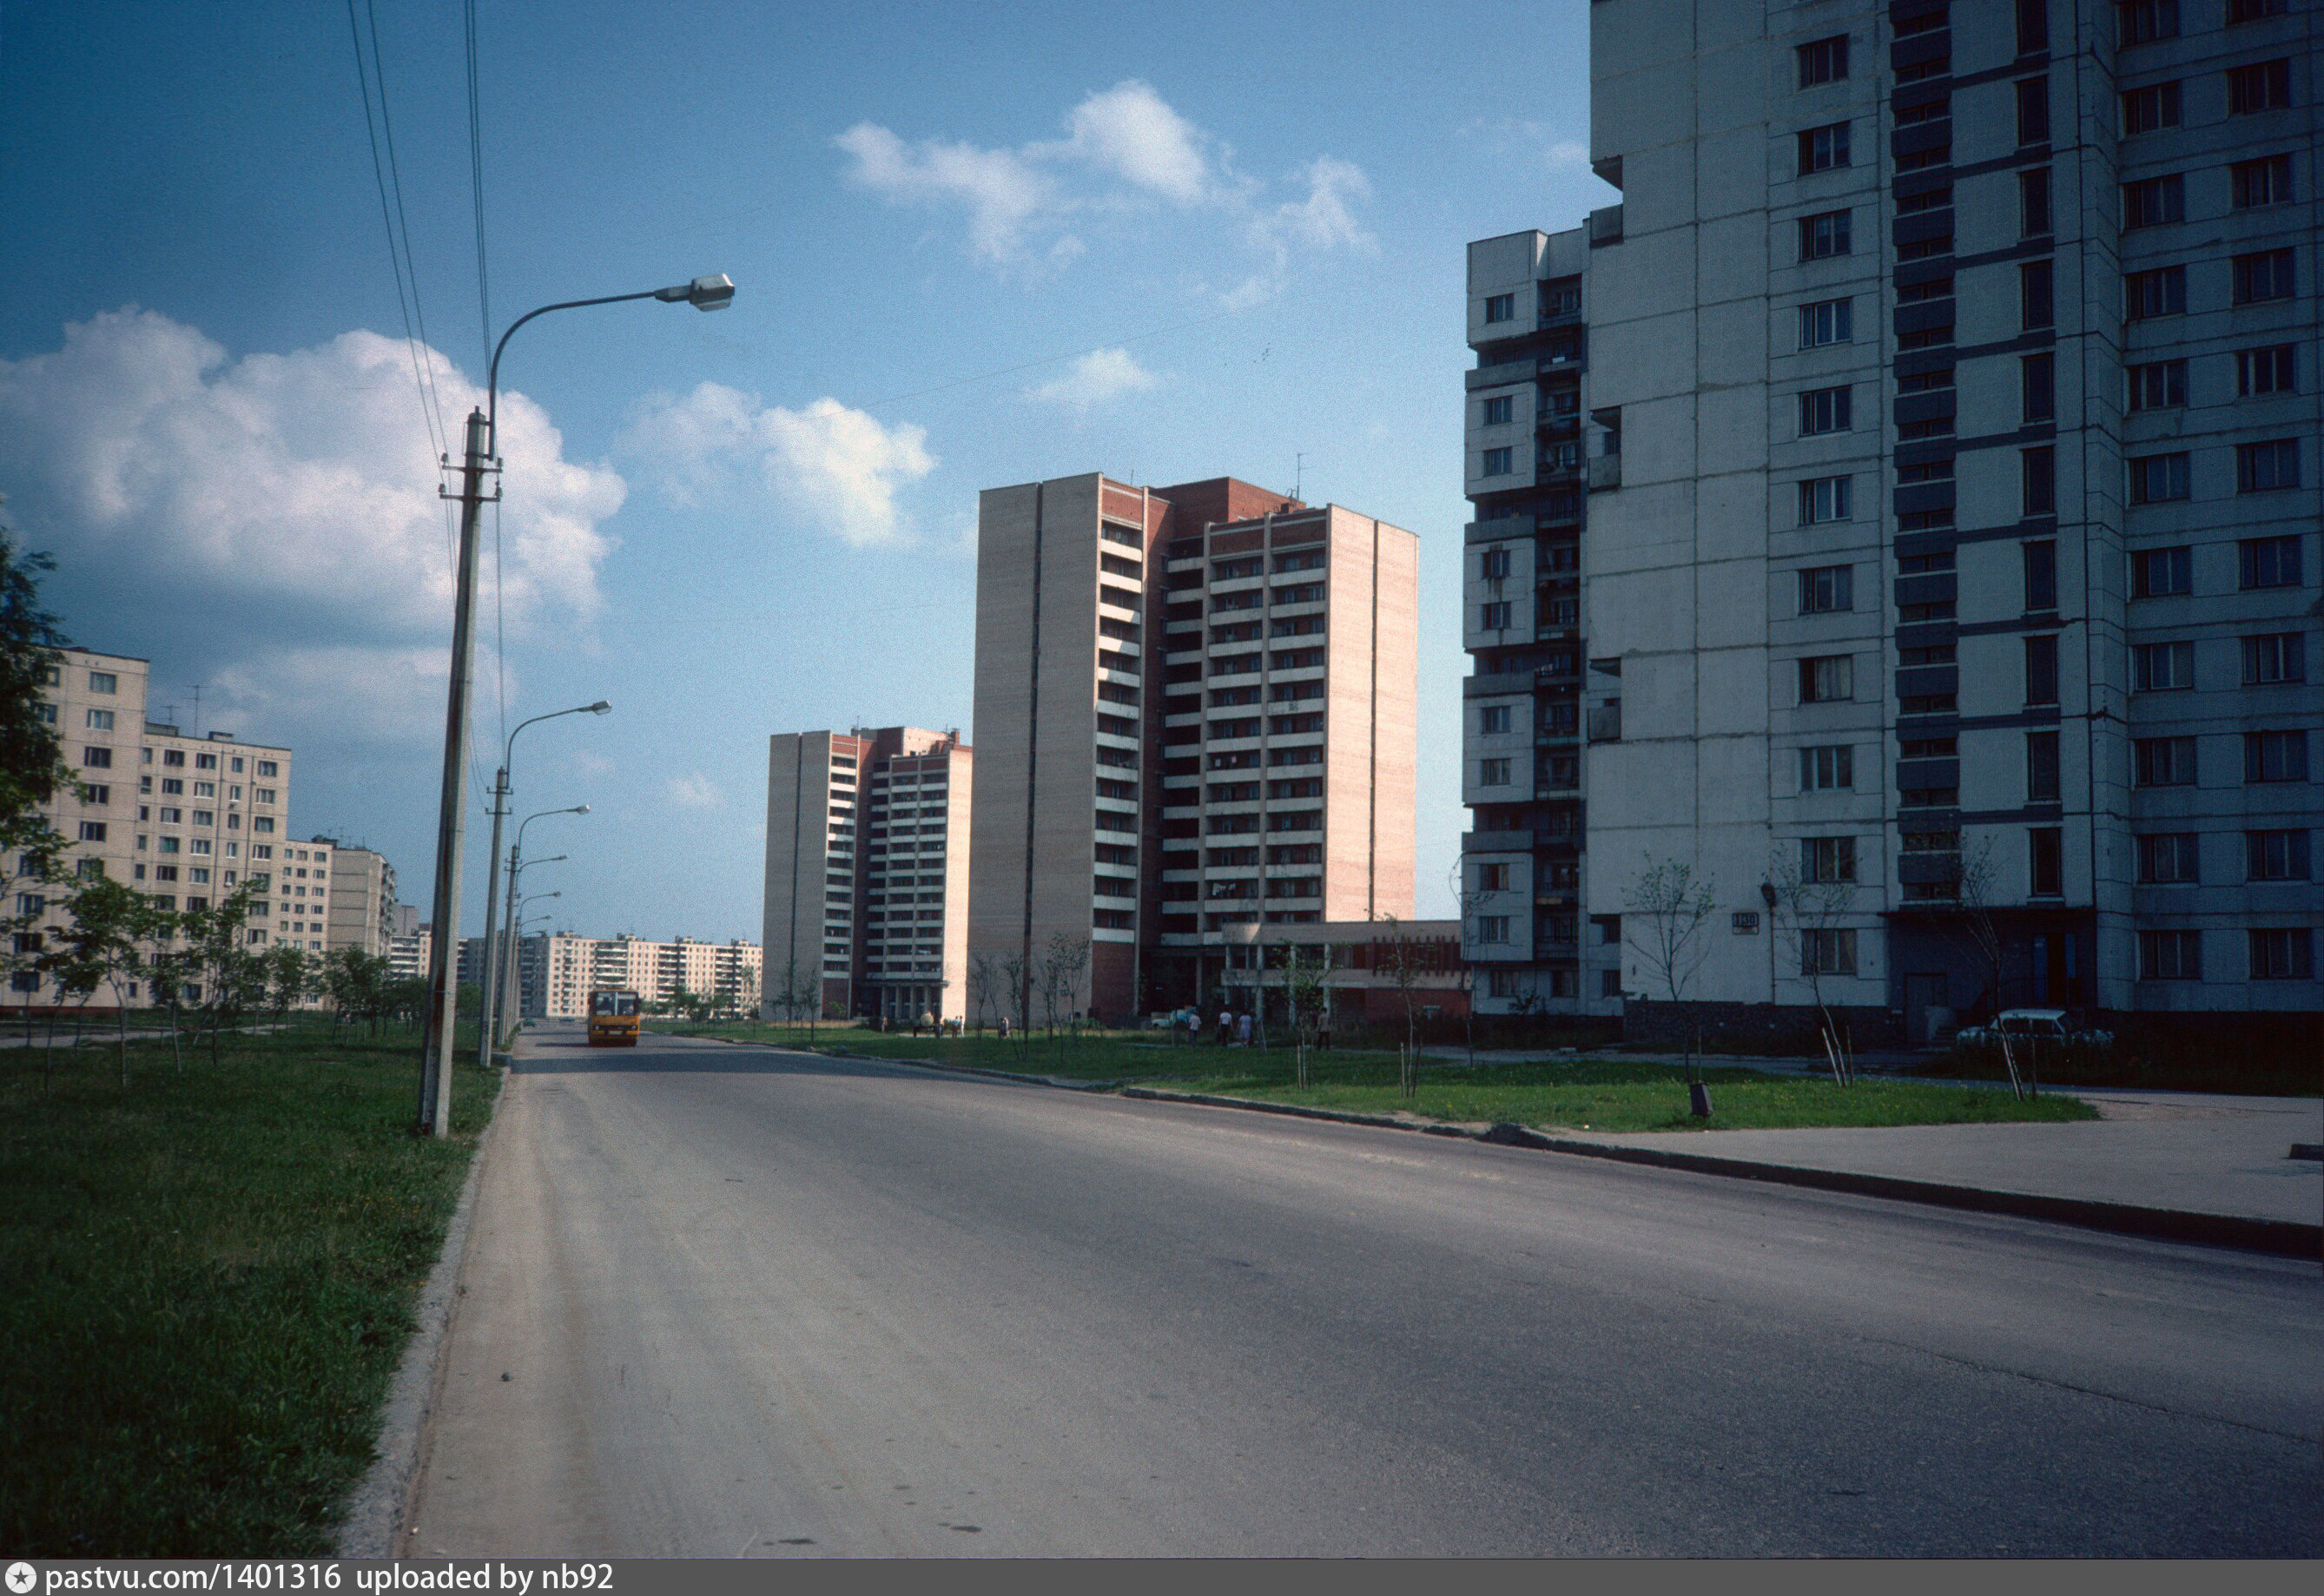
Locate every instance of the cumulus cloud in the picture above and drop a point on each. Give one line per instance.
(693, 792)
(1092, 380)
(1131, 130)
(835, 467)
(1000, 190)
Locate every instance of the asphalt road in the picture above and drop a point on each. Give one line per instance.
(736, 1302)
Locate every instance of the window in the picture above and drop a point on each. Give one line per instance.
(2033, 202)
(92, 830)
(2168, 859)
(2160, 292)
(1498, 410)
(2142, 21)
(266, 767)
(2041, 567)
(2273, 660)
(1827, 769)
(1826, 588)
(2036, 304)
(2263, 466)
(2267, 370)
(1827, 321)
(100, 720)
(2263, 182)
(2275, 855)
(2042, 668)
(2280, 954)
(2153, 201)
(102, 681)
(2046, 849)
(1824, 236)
(2260, 277)
(2169, 956)
(2041, 766)
(2144, 110)
(1494, 616)
(1824, 410)
(1822, 149)
(1493, 718)
(1493, 772)
(1823, 61)
(1492, 878)
(2264, 86)
(2160, 572)
(2164, 761)
(1493, 563)
(1829, 678)
(1492, 928)
(1937, 470)
(1823, 499)
(2032, 26)
(1496, 462)
(2038, 476)
(97, 758)
(2251, 10)
(1501, 308)
(2158, 385)
(2275, 756)
(2268, 562)
(2037, 387)
(2155, 479)
(2161, 667)
(2033, 110)
(99, 796)
(1824, 859)
(1826, 952)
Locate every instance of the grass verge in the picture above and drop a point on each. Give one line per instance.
(211, 1278)
(1592, 1094)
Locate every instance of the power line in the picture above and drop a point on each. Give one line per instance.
(395, 260)
(476, 182)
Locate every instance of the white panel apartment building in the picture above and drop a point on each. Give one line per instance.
(809, 906)
(557, 971)
(1964, 363)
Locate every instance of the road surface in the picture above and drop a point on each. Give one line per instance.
(724, 1301)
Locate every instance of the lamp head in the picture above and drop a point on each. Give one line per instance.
(715, 292)
(579, 809)
(602, 707)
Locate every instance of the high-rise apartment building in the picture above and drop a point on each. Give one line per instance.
(300, 900)
(1260, 772)
(810, 904)
(1962, 571)
(363, 906)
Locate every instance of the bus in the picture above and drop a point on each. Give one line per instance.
(612, 1018)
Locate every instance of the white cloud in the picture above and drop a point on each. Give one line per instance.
(1327, 218)
(694, 791)
(838, 469)
(1568, 154)
(1131, 130)
(997, 188)
(1093, 379)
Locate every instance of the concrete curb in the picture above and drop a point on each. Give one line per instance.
(372, 1525)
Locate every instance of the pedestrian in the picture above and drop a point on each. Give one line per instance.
(1004, 1028)
(928, 1019)
(1243, 1030)
(1226, 1025)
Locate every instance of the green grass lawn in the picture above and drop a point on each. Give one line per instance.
(210, 1282)
(1598, 1093)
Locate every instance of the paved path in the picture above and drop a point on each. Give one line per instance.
(763, 1304)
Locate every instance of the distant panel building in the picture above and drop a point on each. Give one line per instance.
(363, 913)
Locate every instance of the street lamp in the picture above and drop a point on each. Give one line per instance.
(704, 294)
(505, 973)
(499, 796)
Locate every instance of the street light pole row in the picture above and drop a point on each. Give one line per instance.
(435, 1117)
(486, 1030)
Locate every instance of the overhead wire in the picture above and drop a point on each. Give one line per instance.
(484, 316)
(421, 371)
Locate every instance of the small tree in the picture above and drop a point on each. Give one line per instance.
(1395, 954)
(1663, 921)
(1470, 900)
(1306, 999)
(1808, 916)
(290, 977)
(1016, 981)
(107, 943)
(984, 986)
(233, 978)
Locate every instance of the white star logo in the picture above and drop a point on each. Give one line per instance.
(20, 1578)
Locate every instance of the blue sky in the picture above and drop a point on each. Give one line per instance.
(974, 246)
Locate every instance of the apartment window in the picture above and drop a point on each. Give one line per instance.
(2033, 202)
(1492, 878)
(97, 758)
(1501, 308)
(1823, 499)
(1822, 149)
(2041, 567)
(2267, 370)
(2037, 302)
(2264, 86)
(1496, 462)
(2041, 766)
(92, 830)
(2042, 669)
(2168, 859)
(2037, 387)
(2280, 953)
(2148, 109)
(2162, 291)
(2267, 562)
(2275, 855)
(2162, 667)
(2158, 385)
(2164, 761)
(2161, 573)
(1823, 61)
(2275, 756)
(1495, 615)
(1824, 410)
(2142, 21)
(2263, 466)
(1828, 678)
(1827, 769)
(266, 767)
(1493, 772)
(1827, 321)
(2032, 26)
(2155, 479)
(2169, 956)
(2257, 183)
(1494, 563)
(1824, 859)
(1826, 588)
(2275, 658)
(2251, 10)
(1826, 952)
(1493, 718)
(1939, 470)
(2046, 847)
(2033, 111)
(102, 681)
(2038, 473)
(2153, 202)
(1497, 410)
(1824, 236)
(2260, 277)
(100, 720)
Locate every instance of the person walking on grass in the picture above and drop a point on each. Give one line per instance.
(1226, 1025)
(1243, 1030)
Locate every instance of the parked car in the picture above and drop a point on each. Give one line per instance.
(2052, 1027)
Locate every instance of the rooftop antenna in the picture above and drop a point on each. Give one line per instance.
(169, 714)
(1298, 476)
(196, 727)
